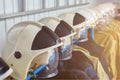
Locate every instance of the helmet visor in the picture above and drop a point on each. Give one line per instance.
(49, 60)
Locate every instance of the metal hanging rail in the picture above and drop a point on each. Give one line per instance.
(38, 11)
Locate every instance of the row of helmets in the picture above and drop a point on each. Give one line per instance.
(33, 49)
(106, 12)
(34, 46)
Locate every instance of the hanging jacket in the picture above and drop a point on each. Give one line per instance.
(95, 50)
(95, 62)
(113, 30)
(110, 45)
(79, 62)
(114, 26)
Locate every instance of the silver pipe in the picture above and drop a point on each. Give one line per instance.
(43, 4)
(38, 11)
(57, 3)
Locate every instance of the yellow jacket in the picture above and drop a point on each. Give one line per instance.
(112, 29)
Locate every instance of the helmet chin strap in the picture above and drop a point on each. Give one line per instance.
(37, 70)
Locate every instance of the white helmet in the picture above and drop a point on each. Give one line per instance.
(64, 31)
(101, 18)
(30, 45)
(99, 15)
(108, 9)
(77, 22)
(96, 13)
(89, 15)
(93, 12)
(104, 12)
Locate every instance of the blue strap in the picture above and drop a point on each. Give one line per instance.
(93, 32)
(63, 50)
(74, 41)
(39, 69)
